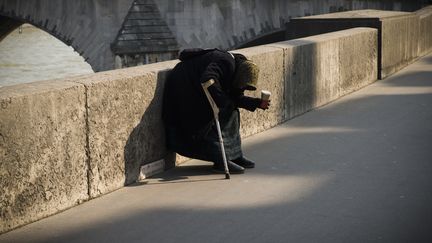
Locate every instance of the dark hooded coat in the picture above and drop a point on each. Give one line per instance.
(187, 114)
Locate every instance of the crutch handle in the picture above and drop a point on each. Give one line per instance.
(213, 105)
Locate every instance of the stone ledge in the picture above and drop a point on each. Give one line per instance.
(425, 38)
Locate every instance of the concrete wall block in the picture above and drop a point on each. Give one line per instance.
(271, 63)
(43, 166)
(309, 80)
(302, 78)
(326, 80)
(358, 59)
(315, 74)
(125, 125)
(322, 68)
(400, 38)
(425, 38)
(297, 85)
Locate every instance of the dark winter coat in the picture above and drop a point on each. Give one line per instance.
(187, 114)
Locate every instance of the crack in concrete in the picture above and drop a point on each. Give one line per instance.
(87, 145)
(285, 83)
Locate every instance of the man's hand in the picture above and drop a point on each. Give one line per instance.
(265, 104)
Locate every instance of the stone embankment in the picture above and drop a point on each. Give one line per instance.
(403, 37)
(66, 141)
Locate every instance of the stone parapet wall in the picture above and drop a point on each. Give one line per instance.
(425, 29)
(399, 45)
(43, 156)
(124, 124)
(322, 68)
(315, 71)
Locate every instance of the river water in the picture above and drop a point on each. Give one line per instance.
(35, 55)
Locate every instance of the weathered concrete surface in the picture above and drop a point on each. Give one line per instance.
(125, 126)
(400, 40)
(43, 163)
(398, 33)
(358, 59)
(316, 70)
(356, 170)
(320, 69)
(425, 39)
(271, 76)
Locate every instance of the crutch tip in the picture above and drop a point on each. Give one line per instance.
(227, 176)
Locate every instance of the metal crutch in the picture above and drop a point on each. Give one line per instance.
(215, 109)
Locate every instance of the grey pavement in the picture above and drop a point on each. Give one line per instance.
(356, 170)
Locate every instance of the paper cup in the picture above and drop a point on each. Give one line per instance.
(265, 94)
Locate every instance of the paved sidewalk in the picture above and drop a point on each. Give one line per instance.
(356, 170)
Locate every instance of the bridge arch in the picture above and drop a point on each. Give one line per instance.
(89, 27)
(12, 23)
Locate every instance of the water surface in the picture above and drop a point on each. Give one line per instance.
(35, 55)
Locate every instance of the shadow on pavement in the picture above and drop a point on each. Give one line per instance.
(410, 79)
(183, 174)
(427, 59)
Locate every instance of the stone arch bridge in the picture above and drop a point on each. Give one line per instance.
(117, 33)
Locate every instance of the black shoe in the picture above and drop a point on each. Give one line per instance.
(233, 168)
(246, 163)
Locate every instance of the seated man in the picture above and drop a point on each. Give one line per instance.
(188, 116)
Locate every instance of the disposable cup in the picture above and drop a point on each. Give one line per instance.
(265, 95)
